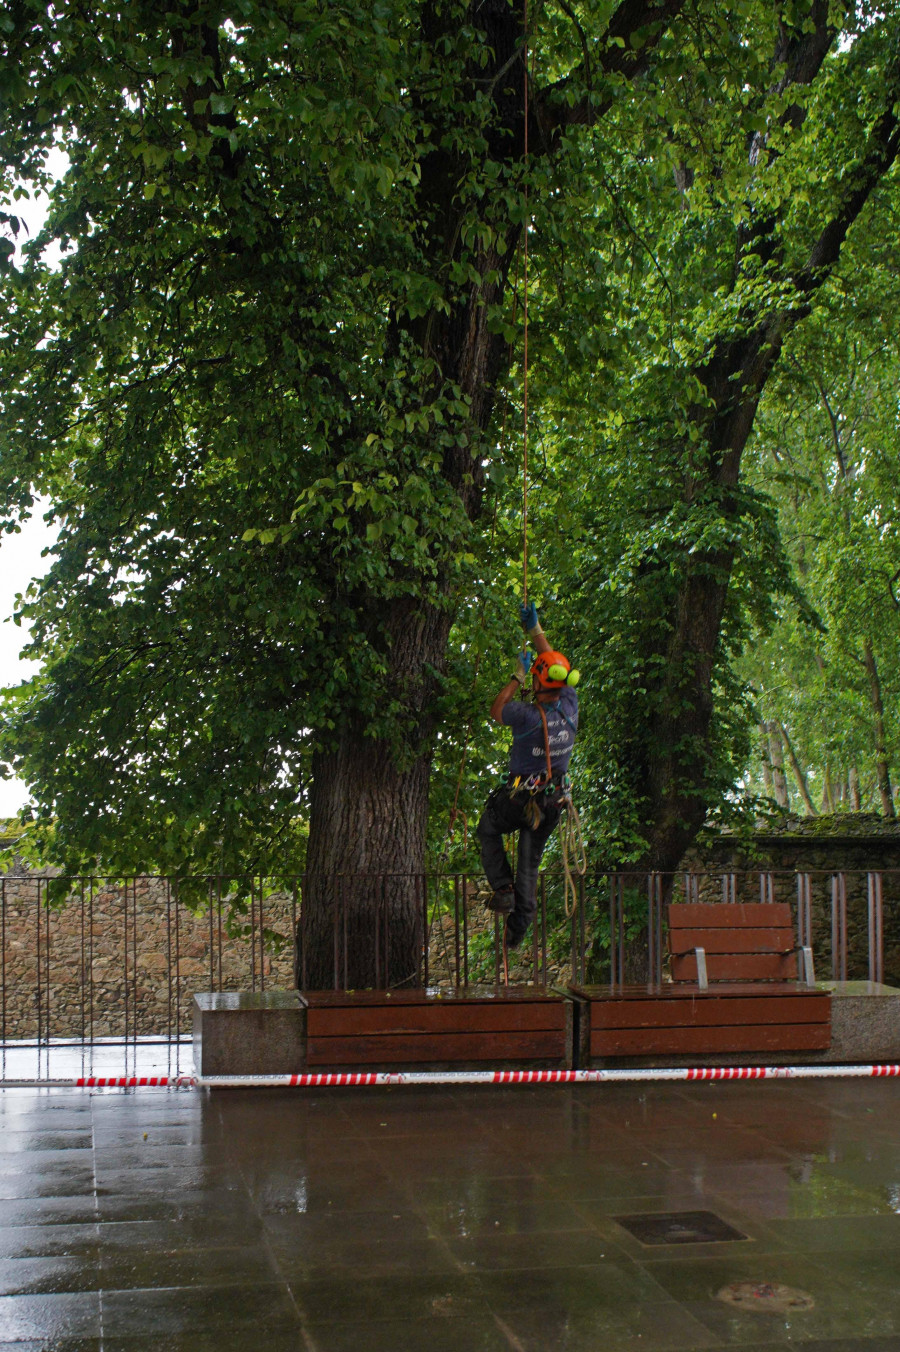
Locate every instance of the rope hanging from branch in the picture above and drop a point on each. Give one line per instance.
(525, 317)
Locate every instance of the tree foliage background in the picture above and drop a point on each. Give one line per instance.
(279, 482)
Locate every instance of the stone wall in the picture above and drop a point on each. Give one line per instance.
(121, 961)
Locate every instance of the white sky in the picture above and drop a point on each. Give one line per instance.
(20, 561)
(20, 555)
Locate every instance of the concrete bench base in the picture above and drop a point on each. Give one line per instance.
(266, 1034)
(865, 1029)
(249, 1033)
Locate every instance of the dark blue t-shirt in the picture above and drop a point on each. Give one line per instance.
(527, 756)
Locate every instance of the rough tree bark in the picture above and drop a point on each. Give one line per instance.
(881, 752)
(768, 781)
(855, 795)
(799, 775)
(776, 759)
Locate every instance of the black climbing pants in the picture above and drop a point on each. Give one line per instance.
(502, 816)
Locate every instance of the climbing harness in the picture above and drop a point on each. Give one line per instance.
(571, 841)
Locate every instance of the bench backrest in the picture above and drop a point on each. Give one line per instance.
(743, 941)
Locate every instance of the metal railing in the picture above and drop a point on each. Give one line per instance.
(93, 959)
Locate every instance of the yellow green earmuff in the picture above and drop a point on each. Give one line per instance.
(556, 672)
(573, 677)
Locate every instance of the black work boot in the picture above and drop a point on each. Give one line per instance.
(503, 900)
(516, 929)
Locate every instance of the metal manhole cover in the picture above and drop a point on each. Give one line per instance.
(679, 1227)
(765, 1297)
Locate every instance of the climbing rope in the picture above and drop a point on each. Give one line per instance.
(573, 854)
(525, 320)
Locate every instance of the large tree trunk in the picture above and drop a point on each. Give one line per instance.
(855, 795)
(362, 914)
(362, 918)
(768, 782)
(799, 774)
(776, 756)
(881, 753)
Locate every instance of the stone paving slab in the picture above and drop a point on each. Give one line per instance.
(448, 1219)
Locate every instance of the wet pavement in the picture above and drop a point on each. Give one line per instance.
(483, 1220)
(67, 1059)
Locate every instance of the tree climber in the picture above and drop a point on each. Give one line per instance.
(531, 797)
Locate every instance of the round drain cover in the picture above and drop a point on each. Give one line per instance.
(765, 1297)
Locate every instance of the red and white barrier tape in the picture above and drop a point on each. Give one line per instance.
(348, 1079)
(374, 1078)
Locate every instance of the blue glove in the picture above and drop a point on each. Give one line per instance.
(529, 617)
(523, 666)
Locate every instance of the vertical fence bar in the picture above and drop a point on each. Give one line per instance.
(336, 920)
(91, 958)
(262, 938)
(456, 927)
(134, 965)
(879, 929)
(613, 928)
(219, 927)
(177, 966)
(344, 925)
(294, 926)
(423, 964)
(125, 951)
(3, 961)
(804, 911)
(40, 1028)
(212, 941)
(386, 908)
(573, 939)
(620, 914)
(654, 928)
(875, 893)
(496, 948)
(838, 927)
(82, 974)
(534, 938)
(543, 931)
(304, 925)
(465, 906)
(252, 937)
(169, 956)
(47, 940)
(582, 929)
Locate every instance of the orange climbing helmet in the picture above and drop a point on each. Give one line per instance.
(553, 671)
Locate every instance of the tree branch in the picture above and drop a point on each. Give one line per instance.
(617, 54)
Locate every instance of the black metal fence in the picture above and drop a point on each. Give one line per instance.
(92, 958)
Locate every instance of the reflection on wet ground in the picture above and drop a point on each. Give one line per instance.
(440, 1219)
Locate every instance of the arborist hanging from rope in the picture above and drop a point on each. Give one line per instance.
(536, 789)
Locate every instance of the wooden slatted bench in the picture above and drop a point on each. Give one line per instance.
(517, 1025)
(733, 990)
(735, 941)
